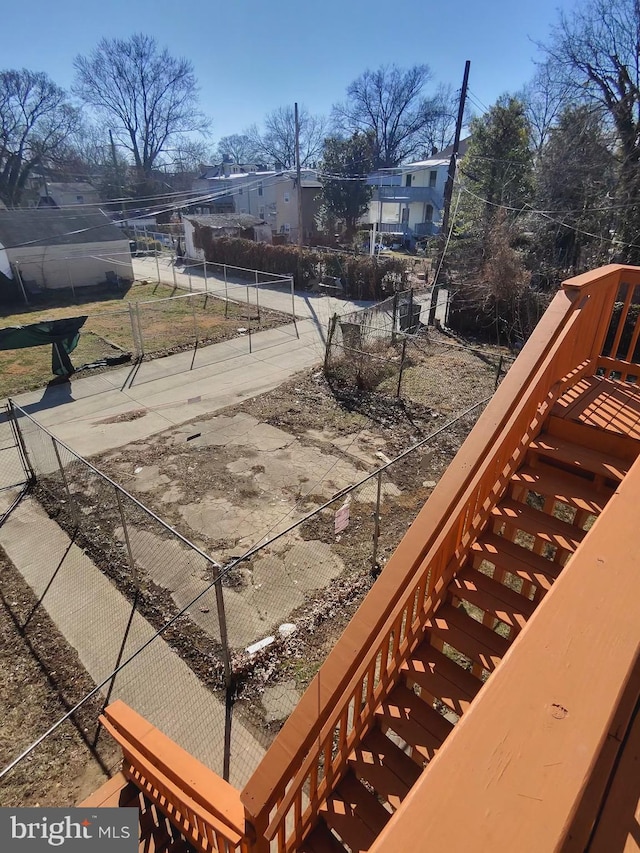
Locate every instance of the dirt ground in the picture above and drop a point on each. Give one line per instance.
(41, 678)
(238, 478)
(227, 482)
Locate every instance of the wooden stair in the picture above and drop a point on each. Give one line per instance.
(546, 511)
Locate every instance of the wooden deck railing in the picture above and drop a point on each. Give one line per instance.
(531, 767)
(204, 808)
(309, 755)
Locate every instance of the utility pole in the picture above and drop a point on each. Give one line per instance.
(116, 170)
(298, 176)
(448, 189)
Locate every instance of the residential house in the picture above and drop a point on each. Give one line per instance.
(269, 195)
(409, 200)
(67, 194)
(241, 225)
(52, 249)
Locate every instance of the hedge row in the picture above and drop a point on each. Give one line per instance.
(362, 277)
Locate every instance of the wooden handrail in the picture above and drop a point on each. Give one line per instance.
(538, 747)
(550, 354)
(187, 786)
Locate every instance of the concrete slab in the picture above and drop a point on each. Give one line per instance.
(98, 622)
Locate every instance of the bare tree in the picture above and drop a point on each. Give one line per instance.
(440, 127)
(35, 122)
(238, 148)
(147, 96)
(277, 142)
(390, 103)
(544, 98)
(594, 52)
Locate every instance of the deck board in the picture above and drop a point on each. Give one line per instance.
(603, 403)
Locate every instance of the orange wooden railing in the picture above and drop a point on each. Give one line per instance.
(204, 808)
(543, 760)
(309, 755)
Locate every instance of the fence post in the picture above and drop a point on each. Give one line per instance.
(206, 286)
(173, 270)
(226, 294)
(20, 443)
(134, 334)
(73, 290)
(125, 529)
(293, 306)
(498, 371)
(72, 503)
(140, 338)
(376, 526)
(195, 321)
(224, 640)
(20, 282)
(327, 350)
(394, 324)
(189, 274)
(257, 297)
(157, 266)
(404, 349)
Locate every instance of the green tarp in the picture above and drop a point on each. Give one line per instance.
(63, 335)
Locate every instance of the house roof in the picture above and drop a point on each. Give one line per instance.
(51, 227)
(70, 187)
(227, 220)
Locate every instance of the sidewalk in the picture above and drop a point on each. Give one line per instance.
(88, 413)
(95, 619)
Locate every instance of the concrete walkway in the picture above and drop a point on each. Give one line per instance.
(88, 413)
(97, 620)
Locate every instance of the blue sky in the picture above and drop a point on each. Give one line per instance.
(251, 57)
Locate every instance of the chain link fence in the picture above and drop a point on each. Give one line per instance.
(386, 349)
(214, 655)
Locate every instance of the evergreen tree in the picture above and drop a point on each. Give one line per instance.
(345, 194)
(575, 181)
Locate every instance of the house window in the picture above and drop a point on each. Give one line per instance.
(79, 199)
(260, 188)
(261, 213)
(287, 228)
(405, 214)
(408, 183)
(433, 177)
(428, 214)
(286, 198)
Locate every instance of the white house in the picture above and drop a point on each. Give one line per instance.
(409, 200)
(269, 195)
(67, 194)
(52, 249)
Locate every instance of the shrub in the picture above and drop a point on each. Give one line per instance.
(363, 277)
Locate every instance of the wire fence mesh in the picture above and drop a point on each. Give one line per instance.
(214, 655)
(386, 348)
